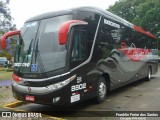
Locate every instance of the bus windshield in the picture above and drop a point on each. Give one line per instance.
(38, 49)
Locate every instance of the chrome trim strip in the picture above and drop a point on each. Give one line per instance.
(90, 56)
(39, 90)
(33, 90)
(25, 79)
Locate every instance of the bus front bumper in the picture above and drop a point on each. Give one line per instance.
(41, 95)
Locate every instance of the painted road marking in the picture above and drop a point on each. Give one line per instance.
(11, 106)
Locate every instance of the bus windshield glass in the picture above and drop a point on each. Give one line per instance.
(38, 49)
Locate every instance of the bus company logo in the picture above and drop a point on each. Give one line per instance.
(29, 89)
(110, 23)
(29, 76)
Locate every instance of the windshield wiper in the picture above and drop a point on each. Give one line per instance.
(30, 46)
(38, 56)
(25, 54)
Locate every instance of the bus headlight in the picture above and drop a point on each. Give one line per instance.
(61, 84)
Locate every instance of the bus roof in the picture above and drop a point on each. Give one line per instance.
(92, 9)
(72, 10)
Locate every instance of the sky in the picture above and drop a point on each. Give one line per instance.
(21, 10)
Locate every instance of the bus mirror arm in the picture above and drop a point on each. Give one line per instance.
(65, 28)
(6, 35)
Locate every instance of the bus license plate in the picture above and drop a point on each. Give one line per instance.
(30, 98)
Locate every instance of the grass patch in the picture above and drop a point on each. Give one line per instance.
(4, 75)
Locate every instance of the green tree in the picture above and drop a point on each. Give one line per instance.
(126, 8)
(5, 23)
(5, 17)
(144, 13)
(148, 16)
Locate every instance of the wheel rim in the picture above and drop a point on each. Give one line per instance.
(102, 90)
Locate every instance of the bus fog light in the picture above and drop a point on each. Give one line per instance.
(56, 99)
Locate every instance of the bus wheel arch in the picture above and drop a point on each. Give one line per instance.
(107, 78)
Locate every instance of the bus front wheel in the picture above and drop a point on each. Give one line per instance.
(101, 92)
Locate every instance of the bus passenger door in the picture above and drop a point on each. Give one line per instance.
(78, 56)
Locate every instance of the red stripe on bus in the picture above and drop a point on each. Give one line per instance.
(143, 31)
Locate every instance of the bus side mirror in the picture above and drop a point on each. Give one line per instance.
(5, 36)
(65, 28)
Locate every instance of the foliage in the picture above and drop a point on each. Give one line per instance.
(144, 13)
(5, 75)
(11, 44)
(5, 26)
(5, 17)
(126, 8)
(6, 54)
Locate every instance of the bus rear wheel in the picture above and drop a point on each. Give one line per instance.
(149, 73)
(101, 92)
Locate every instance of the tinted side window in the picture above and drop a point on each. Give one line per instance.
(79, 49)
(151, 43)
(126, 36)
(140, 40)
(92, 19)
(109, 37)
(114, 33)
(143, 41)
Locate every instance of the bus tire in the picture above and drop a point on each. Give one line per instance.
(101, 91)
(149, 73)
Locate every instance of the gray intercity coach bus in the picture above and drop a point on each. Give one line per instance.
(69, 56)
